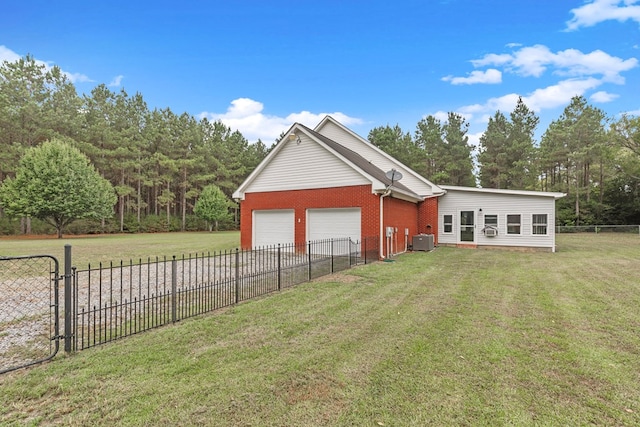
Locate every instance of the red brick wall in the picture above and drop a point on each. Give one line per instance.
(399, 214)
(428, 215)
(301, 200)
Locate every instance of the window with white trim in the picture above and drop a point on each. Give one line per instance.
(448, 223)
(491, 221)
(514, 224)
(539, 224)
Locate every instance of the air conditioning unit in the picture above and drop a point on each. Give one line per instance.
(490, 231)
(423, 242)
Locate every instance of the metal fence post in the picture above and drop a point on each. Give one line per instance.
(68, 333)
(174, 289)
(364, 249)
(237, 275)
(309, 257)
(331, 252)
(279, 269)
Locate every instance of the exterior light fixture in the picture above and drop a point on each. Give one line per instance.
(294, 137)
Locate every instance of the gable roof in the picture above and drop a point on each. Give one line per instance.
(366, 149)
(379, 181)
(363, 164)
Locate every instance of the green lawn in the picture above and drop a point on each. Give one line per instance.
(116, 247)
(451, 337)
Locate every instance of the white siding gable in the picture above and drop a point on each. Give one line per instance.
(367, 150)
(305, 165)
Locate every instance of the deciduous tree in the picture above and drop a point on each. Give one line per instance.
(212, 206)
(56, 183)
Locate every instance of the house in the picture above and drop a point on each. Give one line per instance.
(328, 182)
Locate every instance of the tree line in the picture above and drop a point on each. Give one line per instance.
(592, 158)
(158, 161)
(161, 165)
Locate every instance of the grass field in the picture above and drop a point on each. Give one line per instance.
(450, 337)
(116, 247)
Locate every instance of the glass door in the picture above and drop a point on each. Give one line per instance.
(467, 226)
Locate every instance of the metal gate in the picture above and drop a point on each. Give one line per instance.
(29, 310)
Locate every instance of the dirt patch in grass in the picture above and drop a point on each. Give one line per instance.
(309, 386)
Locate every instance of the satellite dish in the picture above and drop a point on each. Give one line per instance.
(393, 175)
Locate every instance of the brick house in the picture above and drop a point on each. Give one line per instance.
(328, 182)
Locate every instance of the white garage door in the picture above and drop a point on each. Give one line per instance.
(271, 227)
(333, 224)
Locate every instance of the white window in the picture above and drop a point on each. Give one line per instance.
(513, 224)
(448, 223)
(539, 223)
(491, 221)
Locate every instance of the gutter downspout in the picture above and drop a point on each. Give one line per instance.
(382, 233)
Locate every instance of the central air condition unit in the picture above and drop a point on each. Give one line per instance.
(423, 242)
(491, 232)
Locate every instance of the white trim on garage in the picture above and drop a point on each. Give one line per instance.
(273, 226)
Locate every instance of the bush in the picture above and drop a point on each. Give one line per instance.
(9, 226)
(193, 223)
(91, 226)
(158, 224)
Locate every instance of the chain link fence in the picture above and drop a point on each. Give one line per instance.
(29, 310)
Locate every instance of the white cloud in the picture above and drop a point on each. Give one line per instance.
(535, 60)
(492, 59)
(602, 96)
(559, 94)
(490, 76)
(8, 55)
(598, 11)
(548, 97)
(77, 77)
(501, 103)
(117, 81)
(443, 116)
(246, 115)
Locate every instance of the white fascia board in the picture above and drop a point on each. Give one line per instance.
(504, 191)
(403, 195)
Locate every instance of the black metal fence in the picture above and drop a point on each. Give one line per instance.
(118, 300)
(29, 311)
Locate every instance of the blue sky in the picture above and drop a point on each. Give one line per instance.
(260, 66)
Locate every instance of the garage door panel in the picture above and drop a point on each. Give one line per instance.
(333, 223)
(272, 227)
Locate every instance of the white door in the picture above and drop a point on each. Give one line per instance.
(272, 227)
(333, 224)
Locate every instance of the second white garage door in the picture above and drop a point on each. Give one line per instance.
(333, 223)
(272, 227)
